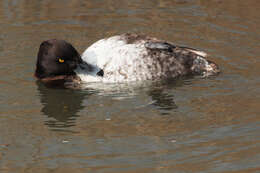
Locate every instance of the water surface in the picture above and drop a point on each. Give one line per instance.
(185, 125)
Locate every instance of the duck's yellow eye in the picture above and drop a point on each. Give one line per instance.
(61, 60)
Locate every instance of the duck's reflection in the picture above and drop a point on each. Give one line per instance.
(160, 92)
(163, 98)
(60, 105)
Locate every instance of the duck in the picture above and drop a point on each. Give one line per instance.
(121, 58)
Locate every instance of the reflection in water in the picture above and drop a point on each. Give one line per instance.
(60, 104)
(162, 96)
(160, 92)
(162, 100)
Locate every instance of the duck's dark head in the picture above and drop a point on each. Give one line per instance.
(56, 58)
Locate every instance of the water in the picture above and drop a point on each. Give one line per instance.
(184, 125)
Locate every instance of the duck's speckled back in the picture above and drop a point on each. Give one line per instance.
(132, 57)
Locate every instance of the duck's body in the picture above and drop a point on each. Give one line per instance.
(132, 57)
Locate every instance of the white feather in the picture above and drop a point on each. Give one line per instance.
(118, 59)
(125, 58)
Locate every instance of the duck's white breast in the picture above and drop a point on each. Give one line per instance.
(120, 61)
(132, 57)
